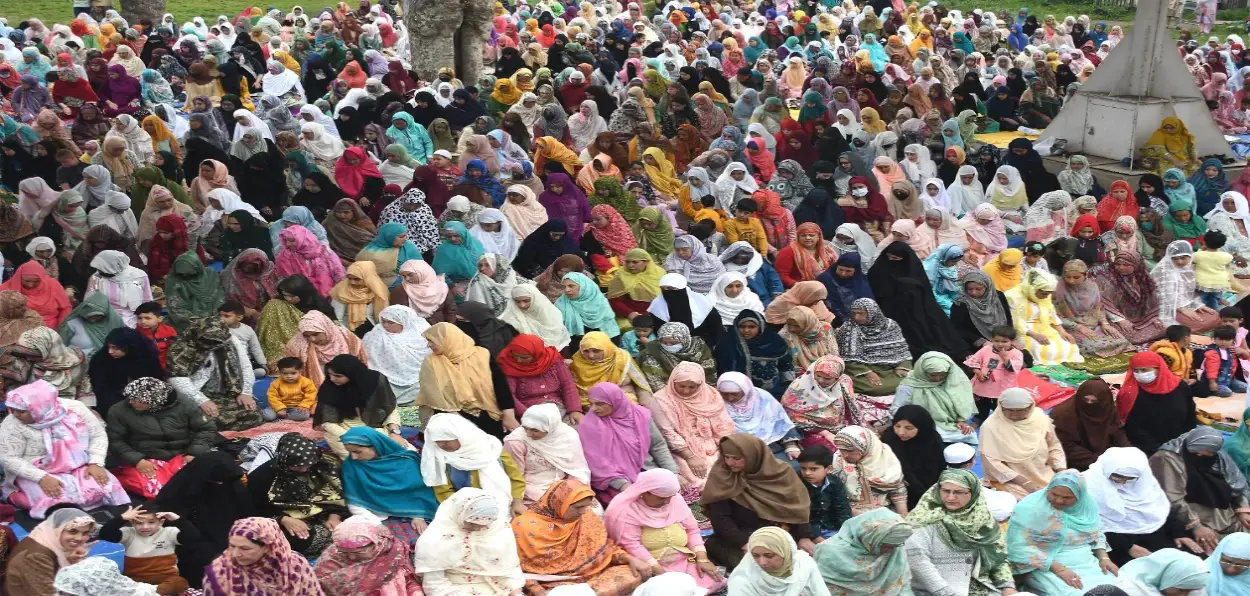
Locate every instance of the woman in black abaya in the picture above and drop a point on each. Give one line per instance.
(915, 441)
(905, 295)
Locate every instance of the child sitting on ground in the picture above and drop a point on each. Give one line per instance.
(1175, 351)
(152, 326)
(150, 543)
(1211, 270)
(1219, 366)
(1233, 317)
(994, 368)
(639, 336)
(292, 396)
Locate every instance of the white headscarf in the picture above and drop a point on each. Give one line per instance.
(542, 318)
(1241, 209)
(115, 213)
(700, 305)
(138, 141)
(253, 123)
(920, 170)
(281, 83)
(584, 129)
(478, 452)
(726, 185)
(752, 266)
(325, 121)
(504, 242)
(562, 447)
(943, 199)
(749, 579)
(230, 203)
(132, 286)
(1138, 506)
(863, 244)
(730, 307)
(447, 546)
(966, 197)
(399, 355)
(323, 145)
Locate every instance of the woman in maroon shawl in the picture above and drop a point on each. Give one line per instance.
(98, 75)
(573, 93)
(868, 211)
(793, 143)
(250, 279)
(397, 79)
(437, 194)
(168, 244)
(72, 91)
(122, 94)
(569, 204)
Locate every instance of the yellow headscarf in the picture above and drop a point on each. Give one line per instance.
(1005, 269)
(644, 286)
(357, 299)
(717, 97)
(551, 149)
(155, 127)
(451, 378)
(653, 83)
(611, 369)
(662, 176)
(523, 85)
(287, 61)
(1178, 142)
(871, 121)
(506, 93)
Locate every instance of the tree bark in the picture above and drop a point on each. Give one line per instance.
(448, 35)
(137, 10)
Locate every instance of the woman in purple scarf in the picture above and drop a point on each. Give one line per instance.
(30, 98)
(122, 94)
(616, 437)
(564, 200)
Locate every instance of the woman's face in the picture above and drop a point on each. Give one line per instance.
(1124, 268)
(571, 289)
(954, 496)
(1085, 233)
(684, 253)
(1061, 497)
(313, 337)
(809, 240)
(748, 330)
(768, 560)
(686, 388)
(1074, 278)
(905, 430)
(242, 551)
(733, 289)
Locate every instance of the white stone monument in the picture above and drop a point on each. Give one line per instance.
(1141, 82)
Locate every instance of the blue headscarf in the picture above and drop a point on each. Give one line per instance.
(10, 127)
(485, 182)
(295, 216)
(458, 261)
(390, 483)
(1038, 530)
(753, 53)
(1184, 192)
(952, 141)
(1017, 38)
(945, 280)
(1237, 546)
(385, 240)
(962, 42)
(876, 52)
(412, 137)
(843, 292)
(589, 311)
(1098, 36)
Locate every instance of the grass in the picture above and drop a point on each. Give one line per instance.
(58, 11)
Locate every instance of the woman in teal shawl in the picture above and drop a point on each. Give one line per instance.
(25, 134)
(814, 109)
(793, 45)
(155, 89)
(1191, 229)
(752, 52)
(1177, 188)
(876, 52)
(1226, 578)
(1166, 571)
(192, 291)
(456, 257)
(89, 323)
(1238, 445)
(944, 276)
(948, 399)
(588, 310)
(411, 136)
(866, 556)
(386, 256)
(1058, 526)
(961, 42)
(385, 478)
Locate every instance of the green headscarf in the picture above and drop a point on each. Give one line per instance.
(949, 400)
(1038, 530)
(154, 175)
(96, 304)
(457, 261)
(444, 141)
(853, 561)
(192, 291)
(334, 54)
(808, 112)
(402, 152)
(1195, 228)
(589, 310)
(251, 234)
(619, 198)
(385, 240)
(1238, 445)
(967, 126)
(970, 528)
(659, 241)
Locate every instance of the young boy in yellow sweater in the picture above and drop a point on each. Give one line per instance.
(1211, 270)
(1175, 351)
(746, 227)
(292, 396)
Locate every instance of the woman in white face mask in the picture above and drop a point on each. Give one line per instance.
(1154, 404)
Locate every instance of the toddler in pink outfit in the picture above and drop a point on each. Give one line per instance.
(995, 366)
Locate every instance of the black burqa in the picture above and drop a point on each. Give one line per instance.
(905, 294)
(209, 493)
(481, 325)
(109, 375)
(538, 251)
(1037, 181)
(921, 456)
(363, 396)
(820, 208)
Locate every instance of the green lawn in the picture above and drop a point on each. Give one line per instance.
(58, 11)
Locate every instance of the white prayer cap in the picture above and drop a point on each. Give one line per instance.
(958, 453)
(1001, 504)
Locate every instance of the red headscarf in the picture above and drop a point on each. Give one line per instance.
(397, 79)
(762, 161)
(875, 211)
(354, 75)
(805, 155)
(544, 355)
(47, 298)
(351, 178)
(1165, 382)
(162, 252)
(1084, 221)
(1109, 208)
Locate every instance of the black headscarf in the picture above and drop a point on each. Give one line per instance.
(538, 251)
(309, 299)
(904, 292)
(1153, 179)
(481, 325)
(921, 456)
(364, 396)
(1037, 180)
(462, 115)
(197, 151)
(322, 201)
(318, 76)
(349, 123)
(971, 85)
(841, 293)
(819, 207)
(109, 375)
(209, 492)
(691, 84)
(169, 167)
(509, 62)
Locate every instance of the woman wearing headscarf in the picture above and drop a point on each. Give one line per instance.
(1088, 424)
(413, 210)
(1019, 447)
(469, 545)
(276, 567)
(125, 286)
(192, 290)
(449, 383)
(866, 556)
(43, 294)
(425, 292)
(1203, 483)
(1163, 571)
(1226, 575)
(1059, 524)
(88, 324)
(55, 543)
(365, 555)
(348, 230)
(776, 566)
(300, 488)
(1129, 295)
(1079, 302)
(757, 491)
(1035, 318)
(1133, 508)
(1177, 290)
(901, 286)
(1152, 387)
(692, 419)
(305, 255)
(957, 544)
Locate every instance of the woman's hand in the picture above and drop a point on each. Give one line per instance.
(50, 486)
(708, 569)
(295, 527)
(873, 379)
(510, 422)
(419, 525)
(1109, 568)
(1039, 338)
(698, 465)
(518, 507)
(332, 521)
(1067, 336)
(574, 418)
(1070, 577)
(98, 474)
(1206, 538)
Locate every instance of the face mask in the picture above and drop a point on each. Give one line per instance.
(673, 348)
(1145, 377)
(900, 195)
(859, 192)
(1147, 225)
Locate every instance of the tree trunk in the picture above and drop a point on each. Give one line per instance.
(443, 34)
(137, 10)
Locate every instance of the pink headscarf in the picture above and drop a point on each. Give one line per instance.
(626, 511)
(35, 200)
(429, 293)
(65, 433)
(310, 258)
(279, 571)
(616, 446)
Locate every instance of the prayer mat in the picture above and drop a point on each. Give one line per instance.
(1097, 365)
(1221, 413)
(278, 426)
(409, 416)
(1060, 374)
